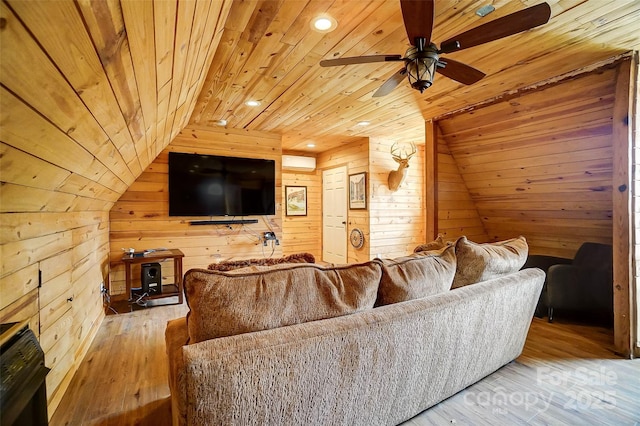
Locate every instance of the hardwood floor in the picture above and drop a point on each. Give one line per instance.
(567, 375)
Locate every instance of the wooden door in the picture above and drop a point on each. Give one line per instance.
(334, 215)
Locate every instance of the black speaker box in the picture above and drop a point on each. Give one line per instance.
(151, 278)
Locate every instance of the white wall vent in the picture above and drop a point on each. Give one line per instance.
(298, 163)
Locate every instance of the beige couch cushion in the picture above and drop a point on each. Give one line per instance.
(436, 244)
(481, 262)
(224, 304)
(419, 275)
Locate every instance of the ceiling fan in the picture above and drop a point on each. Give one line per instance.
(423, 59)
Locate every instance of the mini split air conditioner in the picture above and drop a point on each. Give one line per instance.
(298, 163)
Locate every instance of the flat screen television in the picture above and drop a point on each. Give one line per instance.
(211, 185)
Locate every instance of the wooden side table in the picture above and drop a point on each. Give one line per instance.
(168, 290)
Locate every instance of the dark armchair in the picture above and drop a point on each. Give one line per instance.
(581, 286)
(544, 262)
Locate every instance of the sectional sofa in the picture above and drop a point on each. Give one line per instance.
(373, 343)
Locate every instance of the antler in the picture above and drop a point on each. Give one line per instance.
(399, 153)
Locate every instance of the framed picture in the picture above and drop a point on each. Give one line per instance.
(296, 200)
(358, 191)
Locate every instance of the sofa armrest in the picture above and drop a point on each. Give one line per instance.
(563, 287)
(544, 262)
(176, 336)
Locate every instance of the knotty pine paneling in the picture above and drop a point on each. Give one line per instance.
(457, 213)
(69, 252)
(397, 219)
(303, 233)
(140, 218)
(355, 156)
(88, 98)
(539, 163)
(269, 52)
(393, 223)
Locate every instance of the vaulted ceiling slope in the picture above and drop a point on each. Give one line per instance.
(91, 92)
(269, 53)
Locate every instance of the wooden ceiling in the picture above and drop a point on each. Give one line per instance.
(268, 52)
(91, 92)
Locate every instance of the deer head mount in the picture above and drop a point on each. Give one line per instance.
(401, 154)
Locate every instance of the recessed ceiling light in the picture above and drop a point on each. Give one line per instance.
(311, 145)
(252, 103)
(221, 122)
(363, 123)
(324, 23)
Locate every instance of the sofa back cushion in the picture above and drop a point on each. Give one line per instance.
(224, 304)
(481, 262)
(419, 275)
(594, 256)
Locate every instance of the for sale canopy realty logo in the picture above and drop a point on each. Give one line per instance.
(575, 389)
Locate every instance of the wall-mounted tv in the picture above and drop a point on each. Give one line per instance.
(211, 185)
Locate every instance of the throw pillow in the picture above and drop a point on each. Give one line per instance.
(230, 265)
(224, 304)
(481, 262)
(436, 244)
(418, 275)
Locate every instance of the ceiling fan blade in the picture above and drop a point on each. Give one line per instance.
(418, 19)
(391, 83)
(360, 60)
(502, 27)
(460, 72)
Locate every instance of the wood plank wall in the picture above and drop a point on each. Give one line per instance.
(355, 156)
(540, 163)
(303, 233)
(397, 219)
(140, 218)
(457, 212)
(635, 192)
(70, 251)
(90, 92)
(393, 223)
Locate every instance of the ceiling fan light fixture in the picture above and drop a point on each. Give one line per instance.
(324, 23)
(422, 59)
(421, 67)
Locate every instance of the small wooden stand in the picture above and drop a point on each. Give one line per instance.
(168, 290)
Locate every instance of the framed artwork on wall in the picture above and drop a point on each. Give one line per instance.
(358, 191)
(296, 200)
